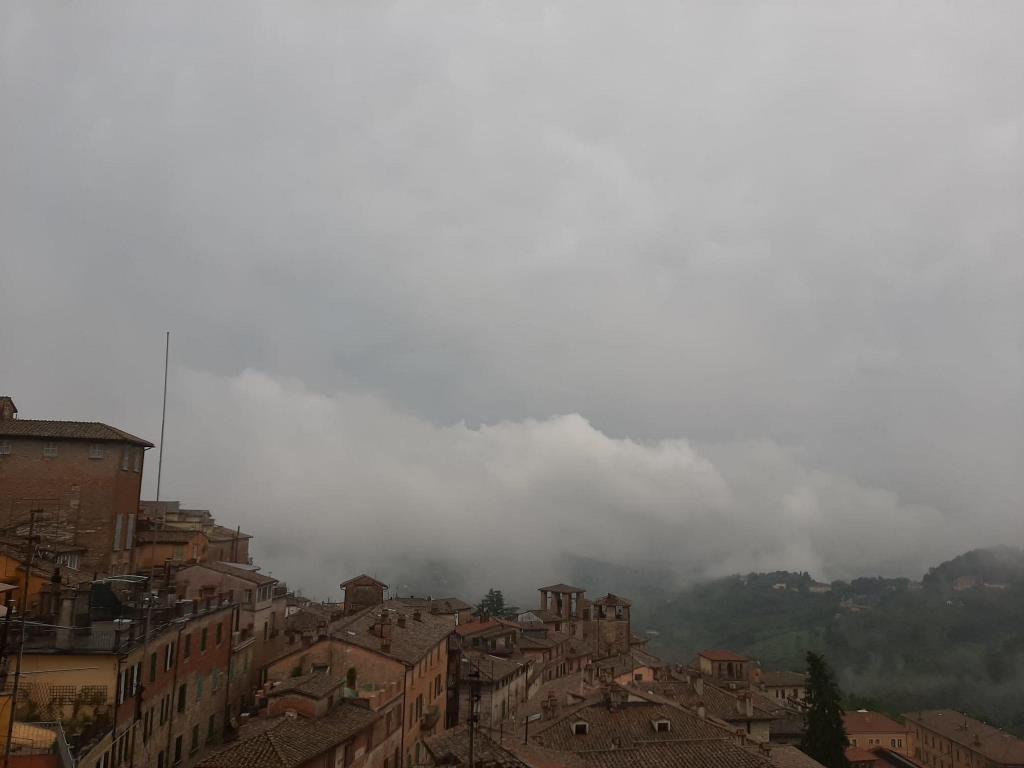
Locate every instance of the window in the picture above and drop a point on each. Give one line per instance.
(211, 727)
(169, 657)
(130, 537)
(202, 639)
(220, 633)
(49, 450)
(118, 525)
(160, 759)
(662, 726)
(580, 728)
(179, 551)
(188, 646)
(138, 460)
(419, 705)
(194, 746)
(152, 666)
(199, 688)
(215, 679)
(177, 750)
(5, 447)
(182, 696)
(126, 458)
(97, 451)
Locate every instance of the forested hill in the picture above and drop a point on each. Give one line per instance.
(954, 639)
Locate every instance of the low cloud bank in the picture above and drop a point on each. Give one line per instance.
(335, 485)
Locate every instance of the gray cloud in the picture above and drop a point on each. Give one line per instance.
(789, 235)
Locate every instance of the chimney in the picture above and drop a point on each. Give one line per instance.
(747, 702)
(702, 711)
(401, 620)
(766, 749)
(416, 615)
(8, 411)
(65, 618)
(698, 685)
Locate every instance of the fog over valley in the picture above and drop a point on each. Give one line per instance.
(702, 290)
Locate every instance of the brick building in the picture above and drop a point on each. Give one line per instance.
(872, 729)
(944, 738)
(391, 649)
(147, 699)
(224, 545)
(261, 607)
(154, 549)
(84, 478)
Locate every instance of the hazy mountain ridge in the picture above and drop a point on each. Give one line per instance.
(954, 639)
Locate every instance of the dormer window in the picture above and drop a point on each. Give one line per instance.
(662, 726)
(580, 728)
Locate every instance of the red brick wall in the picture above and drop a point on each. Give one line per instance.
(166, 684)
(81, 497)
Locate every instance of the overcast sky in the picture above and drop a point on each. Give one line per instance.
(722, 286)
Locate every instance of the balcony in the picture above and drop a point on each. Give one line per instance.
(430, 717)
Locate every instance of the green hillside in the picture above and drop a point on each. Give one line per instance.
(956, 639)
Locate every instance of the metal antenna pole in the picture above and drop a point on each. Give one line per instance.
(163, 416)
(21, 644)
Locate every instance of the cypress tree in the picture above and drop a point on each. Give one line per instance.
(824, 736)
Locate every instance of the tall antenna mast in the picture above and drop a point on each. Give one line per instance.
(163, 416)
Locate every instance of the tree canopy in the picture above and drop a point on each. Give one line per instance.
(824, 735)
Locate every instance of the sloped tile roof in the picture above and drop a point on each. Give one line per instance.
(39, 429)
(678, 754)
(791, 757)
(994, 744)
(611, 600)
(316, 685)
(562, 588)
(624, 726)
(291, 742)
(784, 678)
(239, 573)
(713, 655)
(409, 643)
(452, 748)
(862, 721)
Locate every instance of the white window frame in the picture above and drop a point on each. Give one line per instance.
(97, 451)
(5, 447)
(50, 449)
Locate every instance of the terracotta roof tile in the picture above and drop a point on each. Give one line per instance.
(409, 643)
(452, 748)
(564, 588)
(714, 655)
(863, 721)
(39, 429)
(290, 742)
(994, 744)
(239, 573)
